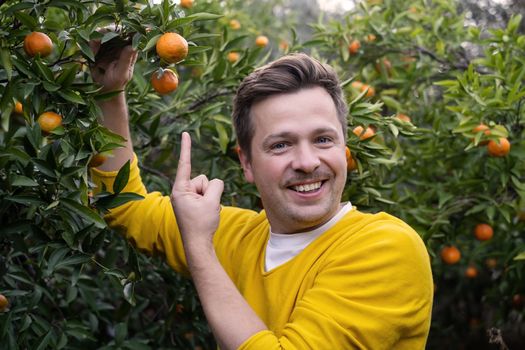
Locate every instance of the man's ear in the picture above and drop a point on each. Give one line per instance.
(246, 165)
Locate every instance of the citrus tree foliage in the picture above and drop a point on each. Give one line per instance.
(449, 78)
(74, 283)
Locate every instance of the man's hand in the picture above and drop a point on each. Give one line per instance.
(196, 202)
(113, 72)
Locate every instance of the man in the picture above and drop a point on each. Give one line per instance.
(308, 272)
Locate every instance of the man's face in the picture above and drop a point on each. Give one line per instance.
(298, 160)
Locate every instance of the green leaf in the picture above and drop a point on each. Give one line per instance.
(72, 96)
(21, 180)
(27, 20)
(121, 180)
(5, 60)
(86, 213)
(520, 256)
(204, 16)
(116, 200)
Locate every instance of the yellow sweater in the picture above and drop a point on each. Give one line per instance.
(365, 283)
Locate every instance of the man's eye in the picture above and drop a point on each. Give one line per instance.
(324, 139)
(278, 146)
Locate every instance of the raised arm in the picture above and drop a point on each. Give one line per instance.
(113, 73)
(196, 203)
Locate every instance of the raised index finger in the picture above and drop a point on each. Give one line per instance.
(184, 167)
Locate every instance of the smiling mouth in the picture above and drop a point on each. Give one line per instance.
(307, 187)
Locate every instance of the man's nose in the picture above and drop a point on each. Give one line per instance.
(306, 159)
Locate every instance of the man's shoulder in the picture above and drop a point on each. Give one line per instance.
(361, 226)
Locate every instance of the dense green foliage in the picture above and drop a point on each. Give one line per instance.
(73, 283)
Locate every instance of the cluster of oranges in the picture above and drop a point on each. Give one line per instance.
(451, 255)
(495, 148)
(171, 48)
(39, 44)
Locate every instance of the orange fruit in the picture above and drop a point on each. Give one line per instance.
(187, 4)
(97, 160)
(179, 308)
(4, 303)
(368, 133)
(479, 128)
(471, 272)
(384, 65)
(283, 45)
(483, 232)
(19, 109)
(351, 164)
(172, 47)
(450, 255)
(261, 41)
(49, 121)
(403, 117)
(37, 43)
(233, 56)
(371, 91)
(518, 300)
(498, 148)
(354, 47)
(491, 263)
(235, 24)
(370, 38)
(164, 81)
(357, 85)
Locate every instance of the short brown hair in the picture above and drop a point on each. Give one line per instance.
(284, 75)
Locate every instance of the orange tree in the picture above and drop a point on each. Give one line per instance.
(425, 62)
(418, 82)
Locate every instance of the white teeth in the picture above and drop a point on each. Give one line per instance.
(308, 187)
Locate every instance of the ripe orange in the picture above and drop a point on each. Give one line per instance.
(370, 38)
(403, 117)
(351, 164)
(49, 121)
(483, 232)
(384, 65)
(357, 85)
(233, 56)
(283, 45)
(235, 24)
(491, 263)
(368, 133)
(97, 160)
(518, 300)
(498, 149)
(187, 4)
(471, 272)
(261, 41)
(164, 81)
(479, 128)
(354, 47)
(172, 47)
(362, 87)
(450, 255)
(19, 109)
(371, 91)
(37, 43)
(4, 303)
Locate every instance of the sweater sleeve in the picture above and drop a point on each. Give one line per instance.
(374, 291)
(150, 223)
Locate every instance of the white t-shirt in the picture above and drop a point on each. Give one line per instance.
(283, 247)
